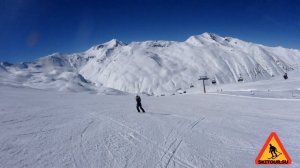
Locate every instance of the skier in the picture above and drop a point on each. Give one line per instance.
(273, 150)
(139, 104)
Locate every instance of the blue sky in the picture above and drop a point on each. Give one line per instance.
(34, 28)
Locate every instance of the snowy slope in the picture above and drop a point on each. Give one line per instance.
(154, 67)
(2, 67)
(54, 72)
(43, 129)
(275, 87)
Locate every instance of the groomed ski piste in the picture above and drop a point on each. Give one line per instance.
(49, 129)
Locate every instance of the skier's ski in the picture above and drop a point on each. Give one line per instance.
(275, 157)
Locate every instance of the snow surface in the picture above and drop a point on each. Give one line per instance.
(77, 110)
(62, 129)
(153, 67)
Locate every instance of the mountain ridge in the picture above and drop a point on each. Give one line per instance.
(155, 67)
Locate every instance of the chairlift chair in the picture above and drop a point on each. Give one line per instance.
(240, 79)
(214, 81)
(285, 76)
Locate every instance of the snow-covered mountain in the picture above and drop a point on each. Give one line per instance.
(153, 67)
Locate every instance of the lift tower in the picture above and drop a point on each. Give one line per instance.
(203, 78)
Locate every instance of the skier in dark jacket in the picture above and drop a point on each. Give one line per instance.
(273, 151)
(139, 104)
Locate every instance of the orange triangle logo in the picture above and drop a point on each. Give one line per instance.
(273, 152)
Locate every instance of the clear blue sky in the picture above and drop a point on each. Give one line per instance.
(33, 28)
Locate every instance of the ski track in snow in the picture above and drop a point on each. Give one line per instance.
(154, 144)
(54, 129)
(249, 97)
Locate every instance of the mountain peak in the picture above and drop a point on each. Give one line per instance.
(204, 37)
(114, 43)
(6, 63)
(110, 44)
(212, 36)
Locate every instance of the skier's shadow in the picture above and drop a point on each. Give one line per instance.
(166, 114)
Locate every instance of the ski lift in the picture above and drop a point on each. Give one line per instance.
(213, 81)
(241, 79)
(285, 76)
(203, 78)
